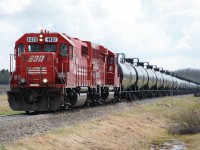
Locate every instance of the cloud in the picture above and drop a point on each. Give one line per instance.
(172, 63)
(188, 45)
(10, 7)
(159, 31)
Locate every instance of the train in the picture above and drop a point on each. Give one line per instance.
(52, 71)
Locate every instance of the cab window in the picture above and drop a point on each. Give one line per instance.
(71, 51)
(84, 50)
(110, 60)
(34, 48)
(50, 48)
(20, 49)
(63, 50)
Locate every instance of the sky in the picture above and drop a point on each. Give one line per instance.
(165, 33)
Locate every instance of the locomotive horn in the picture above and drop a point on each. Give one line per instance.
(122, 59)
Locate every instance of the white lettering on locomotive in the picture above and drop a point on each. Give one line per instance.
(51, 39)
(32, 39)
(36, 58)
(36, 70)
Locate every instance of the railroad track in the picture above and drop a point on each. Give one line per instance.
(12, 117)
(17, 116)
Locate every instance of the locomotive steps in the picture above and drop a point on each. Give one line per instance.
(135, 125)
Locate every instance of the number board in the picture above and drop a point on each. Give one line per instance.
(51, 39)
(32, 39)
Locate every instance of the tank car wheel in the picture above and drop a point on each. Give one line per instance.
(140, 95)
(87, 104)
(27, 112)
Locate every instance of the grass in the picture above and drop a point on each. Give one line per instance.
(186, 120)
(135, 128)
(4, 106)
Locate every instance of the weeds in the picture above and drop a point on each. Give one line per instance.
(185, 121)
(197, 95)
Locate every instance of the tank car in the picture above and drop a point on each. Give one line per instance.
(141, 81)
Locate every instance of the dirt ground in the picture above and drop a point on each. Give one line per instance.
(120, 131)
(3, 102)
(3, 88)
(135, 128)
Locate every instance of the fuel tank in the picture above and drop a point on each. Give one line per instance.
(132, 75)
(128, 75)
(142, 76)
(159, 79)
(152, 78)
(168, 82)
(175, 83)
(181, 84)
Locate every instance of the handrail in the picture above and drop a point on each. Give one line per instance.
(11, 63)
(62, 79)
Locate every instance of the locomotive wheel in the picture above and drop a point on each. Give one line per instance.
(140, 96)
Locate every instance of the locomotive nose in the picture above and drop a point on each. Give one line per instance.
(38, 69)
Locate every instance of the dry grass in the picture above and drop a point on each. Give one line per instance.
(134, 129)
(186, 121)
(4, 106)
(113, 132)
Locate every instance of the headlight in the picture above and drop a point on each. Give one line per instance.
(22, 81)
(45, 80)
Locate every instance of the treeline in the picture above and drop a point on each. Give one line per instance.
(192, 74)
(4, 76)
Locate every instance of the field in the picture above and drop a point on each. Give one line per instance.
(142, 127)
(4, 107)
(3, 88)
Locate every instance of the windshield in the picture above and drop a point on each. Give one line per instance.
(38, 48)
(49, 48)
(34, 48)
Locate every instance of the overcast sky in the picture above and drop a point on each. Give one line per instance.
(165, 33)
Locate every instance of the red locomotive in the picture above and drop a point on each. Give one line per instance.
(54, 71)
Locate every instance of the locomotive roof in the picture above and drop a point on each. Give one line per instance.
(66, 38)
(63, 35)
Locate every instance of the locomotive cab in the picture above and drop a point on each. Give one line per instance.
(38, 78)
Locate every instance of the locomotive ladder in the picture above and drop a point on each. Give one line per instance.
(61, 77)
